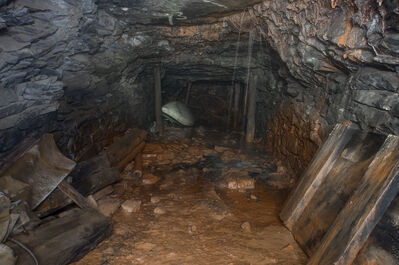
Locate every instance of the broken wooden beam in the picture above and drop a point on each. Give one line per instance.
(64, 240)
(376, 190)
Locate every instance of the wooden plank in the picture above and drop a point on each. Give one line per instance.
(250, 133)
(316, 173)
(130, 157)
(339, 184)
(87, 178)
(122, 146)
(382, 246)
(74, 195)
(237, 91)
(371, 199)
(158, 99)
(64, 240)
(187, 99)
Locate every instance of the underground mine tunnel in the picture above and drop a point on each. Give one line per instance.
(199, 132)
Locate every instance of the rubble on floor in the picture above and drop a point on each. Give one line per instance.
(170, 201)
(190, 216)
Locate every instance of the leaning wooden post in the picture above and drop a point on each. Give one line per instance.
(157, 86)
(250, 134)
(237, 91)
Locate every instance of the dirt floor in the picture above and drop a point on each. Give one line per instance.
(199, 201)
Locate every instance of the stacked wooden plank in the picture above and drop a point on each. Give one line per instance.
(125, 149)
(343, 194)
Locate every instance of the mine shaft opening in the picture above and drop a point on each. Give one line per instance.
(199, 132)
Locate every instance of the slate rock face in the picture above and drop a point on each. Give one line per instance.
(49, 80)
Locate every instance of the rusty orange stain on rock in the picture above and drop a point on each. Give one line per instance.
(342, 40)
(344, 37)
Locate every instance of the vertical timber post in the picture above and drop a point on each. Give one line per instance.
(157, 87)
(187, 99)
(250, 134)
(230, 99)
(237, 91)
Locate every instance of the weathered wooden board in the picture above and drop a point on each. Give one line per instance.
(130, 157)
(316, 173)
(87, 178)
(336, 189)
(382, 246)
(42, 165)
(64, 240)
(355, 222)
(123, 146)
(74, 195)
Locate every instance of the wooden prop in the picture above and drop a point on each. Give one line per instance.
(187, 99)
(250, 133)
(316, 173)
(335, 190)
(158, 99)
(237, 91)
(376, 190)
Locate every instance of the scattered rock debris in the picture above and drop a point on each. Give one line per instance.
(131, 206)
(190, 216)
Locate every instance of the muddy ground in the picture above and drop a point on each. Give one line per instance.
(201, 200)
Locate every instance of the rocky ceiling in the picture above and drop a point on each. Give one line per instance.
(173, 12)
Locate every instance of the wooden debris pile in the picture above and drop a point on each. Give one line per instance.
(38, 187)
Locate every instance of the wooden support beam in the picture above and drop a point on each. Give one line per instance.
(158, 99)
(316, 173)
(250, 132)
(230, 100)
(187, 99)
(335, 190)
(376, 190)
(237, 91)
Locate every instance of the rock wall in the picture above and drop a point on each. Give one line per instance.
(64, 69)
(343, 57)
